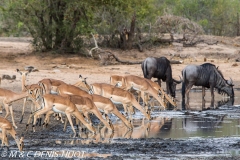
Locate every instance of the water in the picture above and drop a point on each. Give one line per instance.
(221, 120)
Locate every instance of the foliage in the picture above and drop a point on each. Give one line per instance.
(65, 26)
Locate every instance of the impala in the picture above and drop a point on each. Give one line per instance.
(50, 85)
(23, 80)
(115, 80)
(7, 128)
(23, 77)
(143, 85)
(8, 97)
(85, 105)
(58, 104)
(101, 103)
(117, 95)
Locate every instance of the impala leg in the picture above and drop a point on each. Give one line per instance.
(1, 107)
(29, 119)
(130, 115)
(125, 109)
(85, 113)
(108, 119)
(4, 138)
(6, 109)
(65, 125)
(47, 118)
(130, 109)
(139, 95)
(23, 109)
(61, 118)
(11, 112)
(36, 115)
(70, 121)
(143, 95)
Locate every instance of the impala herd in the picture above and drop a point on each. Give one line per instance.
(51, 96)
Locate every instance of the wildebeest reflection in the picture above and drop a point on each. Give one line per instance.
(205, 124)
(226, 102)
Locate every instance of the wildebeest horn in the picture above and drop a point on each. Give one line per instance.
(177, 80)
(230, 82)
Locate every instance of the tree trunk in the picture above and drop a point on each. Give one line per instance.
(58, 17)
(127, 36)
(131, 33)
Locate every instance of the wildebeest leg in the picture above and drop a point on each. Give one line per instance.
(203, 92)
(212, 95)
(203, 103)
(203, 98)
(159, 82)
(188, 88)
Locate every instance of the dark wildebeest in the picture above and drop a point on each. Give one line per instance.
(161, 69)
(205, 75)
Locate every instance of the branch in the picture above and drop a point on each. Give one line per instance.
(96, 46)
(110, 55)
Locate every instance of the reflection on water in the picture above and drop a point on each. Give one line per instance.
(196, 102)
(171, 124)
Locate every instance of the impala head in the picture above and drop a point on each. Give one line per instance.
(131, 109)
(170, 99)
(34, 91)
(19, 142)
(129, 125)
(24, 73)
(83, 83)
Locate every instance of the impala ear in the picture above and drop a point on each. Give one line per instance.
(19, 71)
(26, 87)
(29, 71)
(80, 76)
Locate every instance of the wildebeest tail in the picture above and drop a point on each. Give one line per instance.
(183, 84)
(144, 68)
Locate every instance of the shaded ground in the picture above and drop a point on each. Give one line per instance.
(15, 54)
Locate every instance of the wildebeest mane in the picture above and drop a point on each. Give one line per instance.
(207, 65)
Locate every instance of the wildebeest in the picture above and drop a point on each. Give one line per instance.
(205, 75)
(161, 69)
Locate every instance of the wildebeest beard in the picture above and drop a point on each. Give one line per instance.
(226, 90)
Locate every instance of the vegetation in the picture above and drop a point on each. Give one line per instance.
(66, 26)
